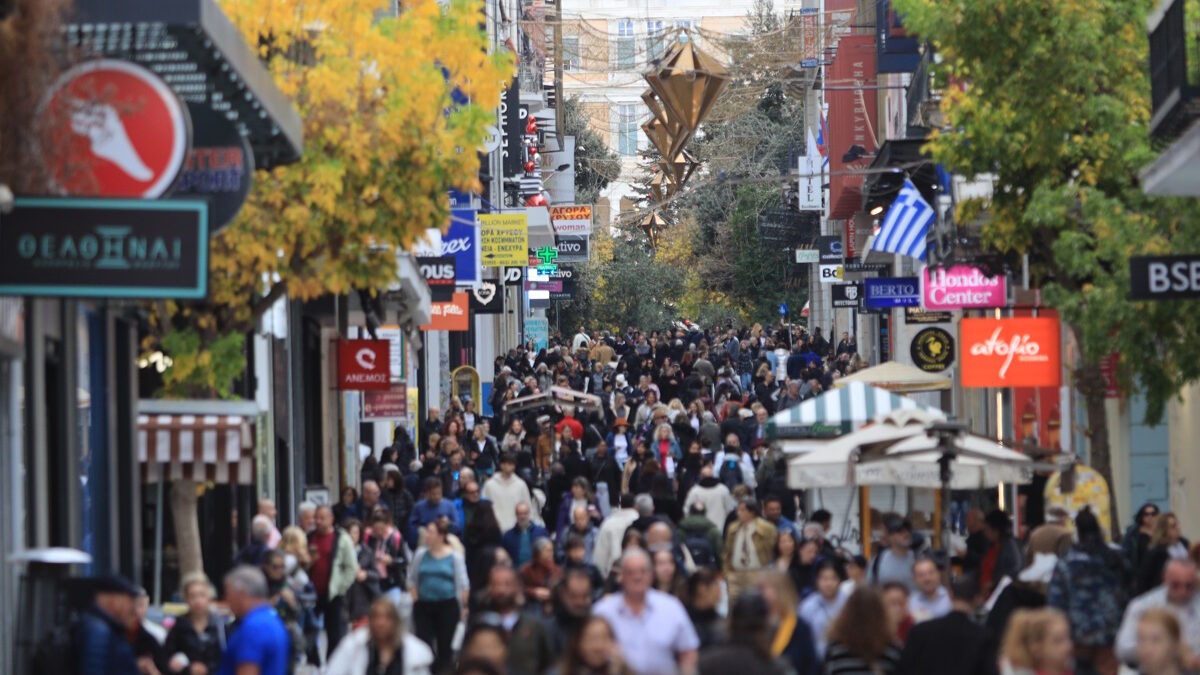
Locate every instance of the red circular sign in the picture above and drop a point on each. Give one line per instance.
(113, 129)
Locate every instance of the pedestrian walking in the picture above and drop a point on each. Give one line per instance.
(861, 638)
(1038, 642)
(952, 644)
(382, 647)
(749, 546)
(334, 571)
(259, 644)
(440, 590)
(196, 641)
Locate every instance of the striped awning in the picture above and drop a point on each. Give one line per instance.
(840, 411)
(216, 448)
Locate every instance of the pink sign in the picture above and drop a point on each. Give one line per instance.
(961, 287)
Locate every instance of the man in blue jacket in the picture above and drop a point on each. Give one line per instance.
(429, 510)
(102, 647)
(519, 540)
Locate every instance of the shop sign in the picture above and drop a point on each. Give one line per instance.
(364, 364)
(537, 331)
(831, 274)
(386, 404)
(1164, 277)
(547, 286)
(504, 239)
(831, 249)
(575, 220)
(547, 260)
(888, 292)
(918, 315)
(807, 256)
(512, 133)
(440, 273)
(462, 241)
(856, 265)
(847, 295)
(113, 129)
(1015, 352)
(572, 248)
(219, 167)
(112, 248)
(513, 275)
(962, 287)
(567, 292)
(932, 350)
(454, 315)
(487, 298)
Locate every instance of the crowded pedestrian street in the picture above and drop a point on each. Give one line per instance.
(578, 337)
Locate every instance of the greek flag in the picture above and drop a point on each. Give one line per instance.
(906, 224)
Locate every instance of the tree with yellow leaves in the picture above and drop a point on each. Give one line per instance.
(386, 135)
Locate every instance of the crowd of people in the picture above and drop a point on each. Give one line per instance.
(654, 532)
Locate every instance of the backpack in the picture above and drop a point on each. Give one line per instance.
(700, 547)
(731, 473)
(55, 652)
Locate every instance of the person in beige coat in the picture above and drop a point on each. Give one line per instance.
(749, 547)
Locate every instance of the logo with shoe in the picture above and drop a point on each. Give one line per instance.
(112, 128)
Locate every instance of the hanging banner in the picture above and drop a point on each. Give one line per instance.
(571, 219)
(887, 292)
(385, 405)
(847, 295)
(462, 241)
(932, 350)
(962, 287)
(1018, 352)
(454, 316)
(439, 273)
(487, 298)
(504, 239)
(537, 331)
(572, 248)
(364, 364)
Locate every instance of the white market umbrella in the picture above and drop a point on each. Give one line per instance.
(898, 377)
(840, 411)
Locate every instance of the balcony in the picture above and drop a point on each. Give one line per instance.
(1174, 29)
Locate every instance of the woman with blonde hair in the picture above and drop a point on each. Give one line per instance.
(1166, 543)
(381, 646)
(665, 448)
(1159, 643)
(197, 639)
(1038, 642)
(792, 640)
(861, 637)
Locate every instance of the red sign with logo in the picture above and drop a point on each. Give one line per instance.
(387, 404)
(451, 316)
(364, 364)
(113, 129)
(1018, 352)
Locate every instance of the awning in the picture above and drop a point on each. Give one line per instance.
(200, 54)
(174, 445)
(840, 411)
(897, 377)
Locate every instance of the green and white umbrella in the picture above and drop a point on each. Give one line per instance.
(840, 411)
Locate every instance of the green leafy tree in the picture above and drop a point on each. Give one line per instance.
(1054, 102)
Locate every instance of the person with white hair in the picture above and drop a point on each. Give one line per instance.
(261, 529)
(260, 646)
(306, 516)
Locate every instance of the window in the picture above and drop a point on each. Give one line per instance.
(627, 130)
(654, 39)
(684, 25)
(625, 44)
(570, 55)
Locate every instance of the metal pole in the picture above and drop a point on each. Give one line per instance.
(158, 543)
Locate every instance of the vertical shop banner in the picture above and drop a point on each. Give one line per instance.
(1017, 352)
(853, 108)
(454, 316)
(462, 241)
(537, 331)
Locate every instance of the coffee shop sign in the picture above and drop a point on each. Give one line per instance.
(109, 247)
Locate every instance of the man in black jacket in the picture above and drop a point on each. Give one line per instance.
(603, 469)
(953, 644)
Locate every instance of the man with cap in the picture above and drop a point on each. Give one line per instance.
(895, 563)
(102, 647)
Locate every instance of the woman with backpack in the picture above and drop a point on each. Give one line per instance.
(390, 559)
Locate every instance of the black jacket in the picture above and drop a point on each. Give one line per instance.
(953, 645)
(605, 470)
(203, 647)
